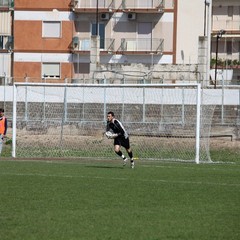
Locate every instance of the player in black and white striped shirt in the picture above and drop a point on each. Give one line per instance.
(121, 140)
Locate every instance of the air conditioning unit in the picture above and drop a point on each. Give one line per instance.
(75, 43)
(75, 2)
(131, 16)
(104, 16)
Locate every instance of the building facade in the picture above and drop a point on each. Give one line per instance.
(42, 39)
(55, 41)
(58, 43)
(6, 40)
(226, 40)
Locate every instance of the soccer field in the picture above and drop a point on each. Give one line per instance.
(76, 199)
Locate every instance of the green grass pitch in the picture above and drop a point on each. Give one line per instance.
(72, 200)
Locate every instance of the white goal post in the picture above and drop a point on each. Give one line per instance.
(164, 121)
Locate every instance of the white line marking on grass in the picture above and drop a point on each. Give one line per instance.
(189, 167)
(123, 179)
(59, 176)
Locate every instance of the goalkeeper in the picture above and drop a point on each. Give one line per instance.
(120, 139)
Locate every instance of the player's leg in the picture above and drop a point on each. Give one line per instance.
(120, 154)
(130, 154)
(126, 145)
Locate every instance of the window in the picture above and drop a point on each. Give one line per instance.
(81, 68)
(101, 32)
(51, 29)
(229, 48)
(230, 11)
(239, 50)
(2, 81)
(1, 42)
(51, 70)
(6, 3)
(145, 36)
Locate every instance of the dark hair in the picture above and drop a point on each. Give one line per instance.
(111, 113)
(1, 110)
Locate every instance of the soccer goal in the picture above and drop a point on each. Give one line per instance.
(164, 121)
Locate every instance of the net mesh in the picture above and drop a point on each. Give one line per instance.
(70, 120)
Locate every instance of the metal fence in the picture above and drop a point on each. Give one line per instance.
(225, 114)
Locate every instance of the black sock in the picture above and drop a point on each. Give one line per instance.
(130, 154)
(119, 153)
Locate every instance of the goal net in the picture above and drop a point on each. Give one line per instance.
(164, 121)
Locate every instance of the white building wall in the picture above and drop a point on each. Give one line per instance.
(42, 57)
(5, 64)
(190, 25)
(54, 15)
(5, 23)
(5, 30)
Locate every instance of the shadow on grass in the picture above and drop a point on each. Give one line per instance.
(104, 166)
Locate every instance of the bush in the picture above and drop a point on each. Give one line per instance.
(224, 62)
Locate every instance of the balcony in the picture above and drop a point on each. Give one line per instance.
(6, 4)
(143, 6)
(229, 25)
(130, 45)
(143, 45)
(84, 44)
(6, 43)
(91, 6)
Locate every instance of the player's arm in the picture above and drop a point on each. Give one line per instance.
(108, 133)
(108, 126)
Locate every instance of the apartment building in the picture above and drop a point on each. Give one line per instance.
(57, 41)
(226, 39)
(42, 39)
(6, 40)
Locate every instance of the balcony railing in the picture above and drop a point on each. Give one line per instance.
(6, 3)
(227, 25)
(127, 45)
(6, 42)
(110, 44)
(87, 4)
(84, 44)
(112, 5)
(142, 45)
(146, 4)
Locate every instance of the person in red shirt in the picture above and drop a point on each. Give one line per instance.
(3, 128)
